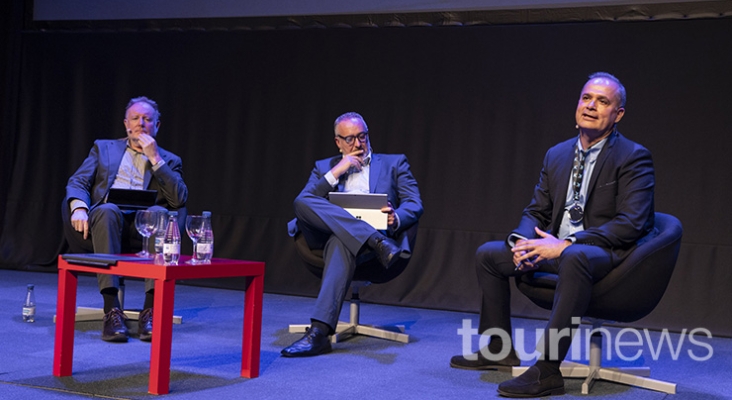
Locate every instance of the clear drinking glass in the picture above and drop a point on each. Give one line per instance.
(194, 228)
(160, 228)
(146, 223)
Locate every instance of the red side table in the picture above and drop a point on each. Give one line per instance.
(165, 277)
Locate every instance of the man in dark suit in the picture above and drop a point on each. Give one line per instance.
(93, 225)
(592, 205)
(341, 236)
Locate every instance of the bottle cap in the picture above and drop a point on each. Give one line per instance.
(30, 286)
(174, 213)
(206, 214)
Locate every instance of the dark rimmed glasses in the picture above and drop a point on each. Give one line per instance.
(349, 139)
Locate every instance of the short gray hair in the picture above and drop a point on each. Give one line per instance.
(350, 115)
(144, 99)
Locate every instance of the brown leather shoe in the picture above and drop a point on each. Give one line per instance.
(478, 362)
(115, 329)
(144, 325)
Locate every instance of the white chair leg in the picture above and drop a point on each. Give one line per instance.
(345, 330)
(633, 376)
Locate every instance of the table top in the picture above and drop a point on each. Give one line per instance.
(218, 268)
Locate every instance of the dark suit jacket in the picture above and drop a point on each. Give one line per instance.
(619, 209)
(389, 173)
(92, 181)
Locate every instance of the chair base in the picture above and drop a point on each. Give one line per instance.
(84, 314)
(345, 330)
(633, 376)
(629, 376)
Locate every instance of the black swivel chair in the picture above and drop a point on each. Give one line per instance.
(368, 270)
(132, 246)
(628, 293)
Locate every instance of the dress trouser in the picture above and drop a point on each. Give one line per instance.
(331, 228)
(109, 226)
(578, 267)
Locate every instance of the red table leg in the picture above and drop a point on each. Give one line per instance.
(63, 355)
(252, 333)
(162, 337)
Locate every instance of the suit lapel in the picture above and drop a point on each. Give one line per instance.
(601, 159)
(374, 172)
(116, 150)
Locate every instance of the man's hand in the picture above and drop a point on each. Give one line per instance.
(350, 160)
(80, 221)
(149, 148)
(389, 209)
(528, 253)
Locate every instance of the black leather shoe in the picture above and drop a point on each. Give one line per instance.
(115, 329)
(528, 384)
(479, 363)
(313, 343)
(388, 251)
(144, 325)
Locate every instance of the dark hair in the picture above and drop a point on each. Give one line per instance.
(143, 99)
(621, 88)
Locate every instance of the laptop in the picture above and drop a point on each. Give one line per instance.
(132, 199)
(364, 206)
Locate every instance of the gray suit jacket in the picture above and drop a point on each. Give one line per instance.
(92, 181)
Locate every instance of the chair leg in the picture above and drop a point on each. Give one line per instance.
(345, 330)
(633, 376)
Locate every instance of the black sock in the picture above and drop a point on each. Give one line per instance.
(110, 299)
(548, 368)
(149, 299)
(322, 326)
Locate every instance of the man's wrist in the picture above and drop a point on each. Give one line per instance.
(158, 164)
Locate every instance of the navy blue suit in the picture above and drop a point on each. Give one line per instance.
(618, 214)
(341, 236)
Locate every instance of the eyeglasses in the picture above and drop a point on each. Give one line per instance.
(349, 139)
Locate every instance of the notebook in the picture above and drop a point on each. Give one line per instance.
(131, 199)
(364, 206)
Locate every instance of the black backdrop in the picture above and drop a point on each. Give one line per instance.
(473, 108)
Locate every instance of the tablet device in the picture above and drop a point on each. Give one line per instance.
(132, 199)
(364, 206)
(100, 259)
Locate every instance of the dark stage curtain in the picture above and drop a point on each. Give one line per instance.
(473, 108)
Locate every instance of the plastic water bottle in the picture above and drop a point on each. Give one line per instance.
(29, 306)
(204, 246)
(160, 238)
(171, 244)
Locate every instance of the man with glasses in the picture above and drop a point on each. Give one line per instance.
(341, 236)
(592, 206)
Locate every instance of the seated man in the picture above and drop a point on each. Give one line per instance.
(592, 205)
(341, 236)
(134, 162)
